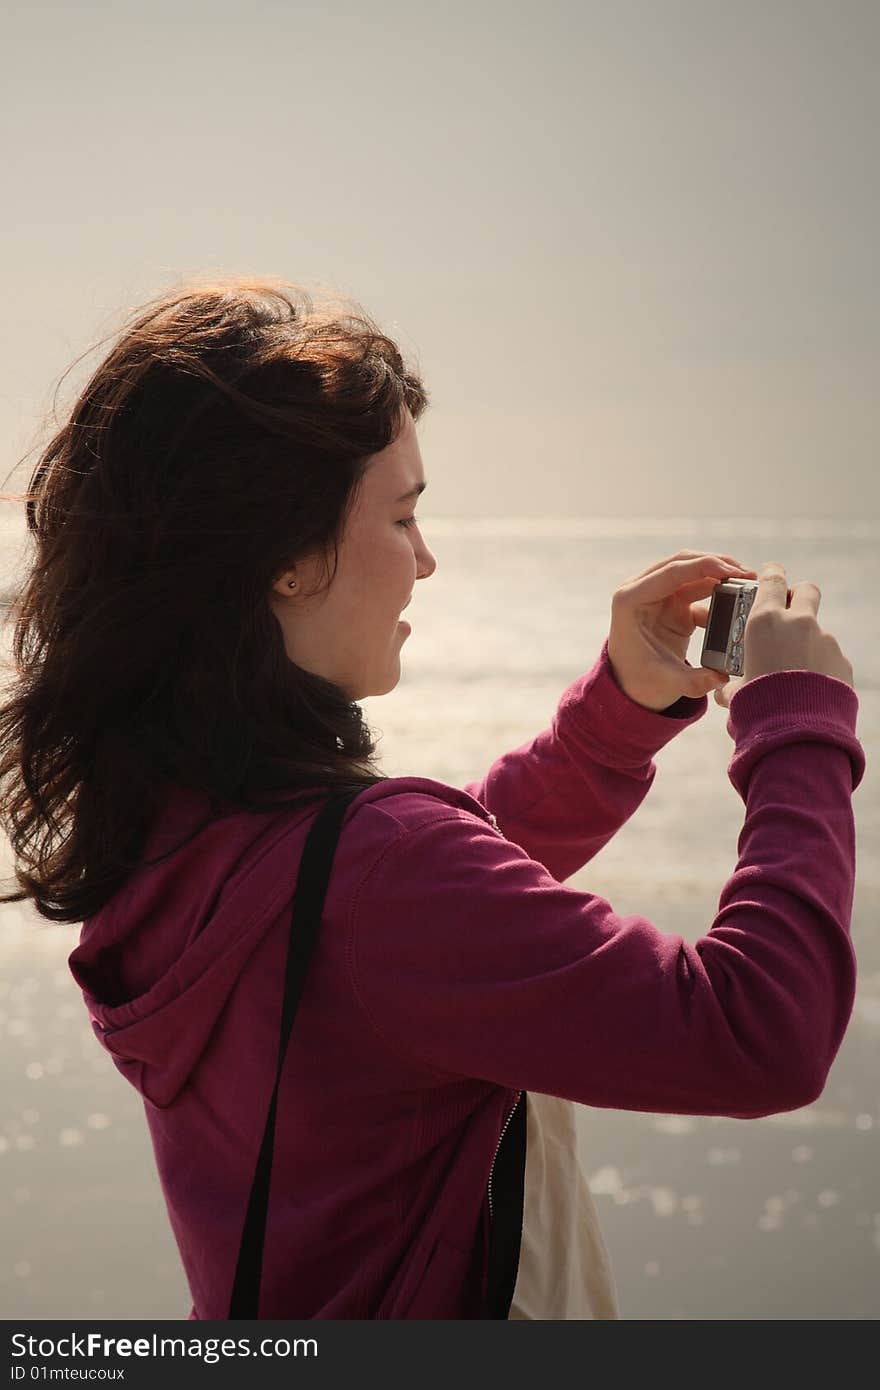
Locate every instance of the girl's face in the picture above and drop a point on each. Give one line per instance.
(352, 633)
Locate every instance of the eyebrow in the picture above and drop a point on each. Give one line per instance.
(413, 492)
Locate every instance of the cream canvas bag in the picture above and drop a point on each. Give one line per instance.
(564, 1270)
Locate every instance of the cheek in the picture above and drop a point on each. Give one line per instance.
(396, 561)
(386, 568)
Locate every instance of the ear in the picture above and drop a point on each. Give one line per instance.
(300, 579)
(287, 585)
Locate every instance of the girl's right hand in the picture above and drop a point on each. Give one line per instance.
(777, 638)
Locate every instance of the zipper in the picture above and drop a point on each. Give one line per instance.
(498, 1146)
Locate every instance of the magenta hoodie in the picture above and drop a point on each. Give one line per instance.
(454, 969)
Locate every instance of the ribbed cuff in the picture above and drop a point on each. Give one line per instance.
(790, 706)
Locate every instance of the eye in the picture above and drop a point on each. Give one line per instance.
(408, 521)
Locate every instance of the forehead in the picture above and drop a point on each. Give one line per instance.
(398, 467)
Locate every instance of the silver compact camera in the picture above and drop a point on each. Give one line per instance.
(729, 609)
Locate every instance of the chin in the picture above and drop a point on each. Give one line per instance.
(379, 687)
(387, 688)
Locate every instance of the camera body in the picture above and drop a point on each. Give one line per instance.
(729, 609)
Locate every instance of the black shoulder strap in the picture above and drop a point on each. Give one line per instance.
(505, 1238)
(308, 903)
(509, 1169)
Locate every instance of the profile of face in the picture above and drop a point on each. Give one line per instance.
(352, 633)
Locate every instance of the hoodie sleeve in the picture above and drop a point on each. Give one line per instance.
(562, 796)
(471, 960)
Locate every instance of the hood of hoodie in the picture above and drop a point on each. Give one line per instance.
(159, 962)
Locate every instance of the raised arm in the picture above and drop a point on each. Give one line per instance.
(564, 794)
(485, 966)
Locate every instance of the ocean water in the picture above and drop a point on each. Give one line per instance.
(703, 1217)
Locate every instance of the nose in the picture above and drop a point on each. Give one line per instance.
(427, 562)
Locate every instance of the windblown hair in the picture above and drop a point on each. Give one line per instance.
(223, 438)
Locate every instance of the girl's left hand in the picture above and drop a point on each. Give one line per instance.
(653, 617)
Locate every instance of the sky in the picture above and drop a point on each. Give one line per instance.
(631, 246)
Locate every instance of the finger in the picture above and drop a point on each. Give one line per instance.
(699, 588)
(772, 590)
(675, 574)
(695, 555)
(687, 594)
(805, 598)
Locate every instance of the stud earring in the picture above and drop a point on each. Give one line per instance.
(291, 583)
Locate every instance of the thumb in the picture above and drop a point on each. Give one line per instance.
(704, 680)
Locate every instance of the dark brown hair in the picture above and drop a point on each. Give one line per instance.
(223, 438)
